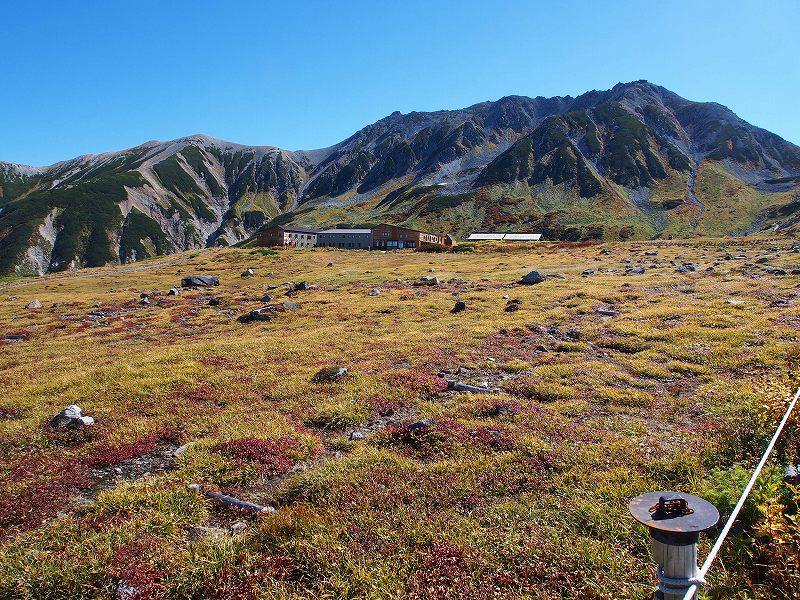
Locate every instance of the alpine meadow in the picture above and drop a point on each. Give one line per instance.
(542, 347)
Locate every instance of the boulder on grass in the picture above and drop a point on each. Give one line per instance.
(459, 307)
(70, 418)
(329, 374)
(33, 305)
(248, 273)
(199, 281)
(532, 278)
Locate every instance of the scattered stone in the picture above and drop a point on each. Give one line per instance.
(735, 302)
(357, 435)
(762, 260)
(126, 591)
(174, 292)
(686, 267)
(506, 297)
(635, 271)
(460, 386)
(587, 272)
(459, 307)
(431, 270)
(607, 311)
(144, 295)
(198, 533)
(266, 298)
(248, 273)
(181, 449)
(258, 314)
(238, 528)
(329, 374)
(199, 281)
(421, 425)
(214, 302)
(513, 305)
(428, 280)
(605, 251)
(70, 418)
(775, 271)
(532, 278)
(33, 305)
(290, 305)
(330, 264)
(627, 261)
(651, 253)
(145, 301)
(374, 292)
(300, 287)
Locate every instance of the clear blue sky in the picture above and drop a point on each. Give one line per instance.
(92, 76)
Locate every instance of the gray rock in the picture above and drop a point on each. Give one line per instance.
(199, 281)
(532, 278)
(330, 264)
(374, 292)
(607, 311)
(248, 273)
(174, 292)
(428, 280)
(635, 271)
(126, 591)
(587, 272)
(459, 307)
(70, 418)
(201, 532)
(33, 305)
(513, 305)
(145, 301)
(762, 260)
(357, 435)
(291, 305)
(266, 298)
(329, 374)
(261, 314)
(651, 253)
(238, 528)
(214, 302)
(421, 425)
(301, 286)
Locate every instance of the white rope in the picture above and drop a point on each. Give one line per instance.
(725, 530)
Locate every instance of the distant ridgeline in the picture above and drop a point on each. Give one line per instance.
(636, 161)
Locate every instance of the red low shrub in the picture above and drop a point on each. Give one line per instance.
(418, 382)
(112, 455)
(32, 505)
(272, 456)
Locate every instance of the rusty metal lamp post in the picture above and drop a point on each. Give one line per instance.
(675, 521)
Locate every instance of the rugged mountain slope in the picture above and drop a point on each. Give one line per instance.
(153, 199)
(636, 160)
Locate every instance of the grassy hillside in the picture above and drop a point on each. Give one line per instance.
(515, 494)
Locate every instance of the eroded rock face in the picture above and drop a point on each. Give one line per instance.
(71, 418)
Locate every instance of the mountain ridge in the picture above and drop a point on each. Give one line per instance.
(634, 161)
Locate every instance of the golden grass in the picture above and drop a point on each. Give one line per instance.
(508, 495)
